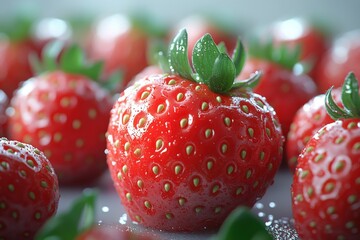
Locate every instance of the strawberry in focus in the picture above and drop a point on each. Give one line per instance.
(65, 113)
(184, 150)
(326, 185)
(29, 191)
(307, 121)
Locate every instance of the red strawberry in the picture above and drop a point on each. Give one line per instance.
(341, 58)
(307, 121)
(127, 40)
(326, 186)
(65, 113)
(293, 32)
(184, 151)
(29, 191)
(285, 90)
(20, 39)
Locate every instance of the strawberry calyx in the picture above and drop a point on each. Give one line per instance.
(282, 55)
(211, 65)
(71, 59)
(76, 220)
(350, 99)
(18, 29)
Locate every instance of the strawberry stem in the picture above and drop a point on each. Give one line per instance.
(211, 64)
(350, 100)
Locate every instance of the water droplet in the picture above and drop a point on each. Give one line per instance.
(105, 209)
(123, 219)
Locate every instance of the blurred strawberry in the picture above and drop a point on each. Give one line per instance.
(123, 42)
(342, 57)
(29, 190)
(64, 112)
(284, 89)
(4, 101)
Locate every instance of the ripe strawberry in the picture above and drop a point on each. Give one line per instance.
(127, 40)
(293, 32)
(342, 57)
(326, 186)
(285, 90)
(20, 39)
(307, 121)
(184, 150)
(29, 191)
(65, 114)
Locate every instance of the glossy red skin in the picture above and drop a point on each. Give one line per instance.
(317, 203)
(342, 57)
(284, 91)
(125, 49)
(307, 121)
(39, 180)
(66, 116)
(197, 26)
(313, 41)
(108, 232)
(133, 157)
(15, 66)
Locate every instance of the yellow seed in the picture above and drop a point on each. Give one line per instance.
(128, 196)
(196, 181)
(92, 113)
(159, 144)
(126, 146)
(76, 124)
(230, 169)
(167, 187)
(183, 123)
(215, 188)
(208, 133)
(57, 137)
(182, 201)
(179, 97)
(144, 95)
(209, 165)
(227, 121)
(172, 82)
(224, 148)
(147, 204)
(251, 132)
(155, 170)
(160, 108)
(218, 99)
(204, 106)
(140, 184)
(125, 119)
(178, 169)
(245, 108)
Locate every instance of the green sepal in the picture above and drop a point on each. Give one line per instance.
(350, 100)
(19, 28)
(223, 74)
(205, 53)
(282, 54)
(69, 224)
(178, 56)
(163, 61)
(73, 60)
(250, 83)
(242, 224)
(350, 95)
(239, 56)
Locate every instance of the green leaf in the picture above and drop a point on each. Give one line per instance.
(163, 62)
(350, 95)
(113, 81)
(250, 83)
(242, 222)
(238, 57)
(50, 54)
(77, 219)
(72, 59)
(332, 108)
(178, 56)
(204, 56)
(222, 47)
(223, 74)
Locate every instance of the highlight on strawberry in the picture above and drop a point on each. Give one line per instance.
(64, 112)
(326, 185)
(184, 149)
(29, 190)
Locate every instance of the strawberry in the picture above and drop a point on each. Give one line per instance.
(185, 149)
(342, 57)
(311, 38)
(64, 113)
(127, 40)
(307, 121)
(29, 190)
(279, 80)
(326, 185)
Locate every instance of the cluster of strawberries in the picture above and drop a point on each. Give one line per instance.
(192, 130)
